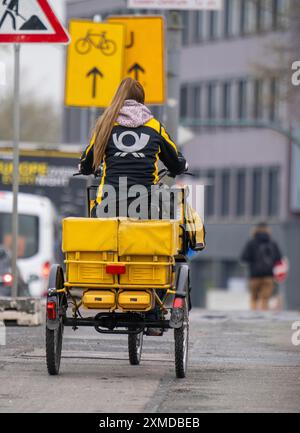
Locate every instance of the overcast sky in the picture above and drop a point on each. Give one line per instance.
(42, 66)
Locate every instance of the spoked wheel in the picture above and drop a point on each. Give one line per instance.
(181, 336)
(135, 347)
(54, 321)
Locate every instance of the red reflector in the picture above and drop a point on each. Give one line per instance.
(178, 303)
(115, 269)
(8, 279)
(51, 310)
(46, 269)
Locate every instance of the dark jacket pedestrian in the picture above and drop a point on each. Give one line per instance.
(261, 253)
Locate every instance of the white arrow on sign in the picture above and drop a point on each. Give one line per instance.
(24, 21)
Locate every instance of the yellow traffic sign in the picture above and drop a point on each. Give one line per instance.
(144, 53)
(95, 63)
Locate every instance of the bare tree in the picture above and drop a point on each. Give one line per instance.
(39, 121)
(284, 50)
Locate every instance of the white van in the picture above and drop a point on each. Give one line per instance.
(38, 237)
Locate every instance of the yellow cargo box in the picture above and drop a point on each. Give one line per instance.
(99, 299)
(86, 268)
(148, 238)
(90, 234)
(135, 300)
(147, 271)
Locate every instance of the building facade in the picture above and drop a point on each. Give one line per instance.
(228, 88)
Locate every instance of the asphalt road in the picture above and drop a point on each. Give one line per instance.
(238, 362)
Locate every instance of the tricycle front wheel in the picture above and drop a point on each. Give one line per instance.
(135, 347)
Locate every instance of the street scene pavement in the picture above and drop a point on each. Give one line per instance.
(238, 362)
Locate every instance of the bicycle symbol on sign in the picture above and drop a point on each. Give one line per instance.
(106, 46)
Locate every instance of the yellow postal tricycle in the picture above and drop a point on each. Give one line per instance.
(131, 275)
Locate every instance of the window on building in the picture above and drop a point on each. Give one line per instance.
(196, 95)
(228, 10)
(242, 99)
(278, 12)
(213, 23)
(198, 26)
(226, 100)
(257, 192)
(211, 101)
(258, 99)
(225, 197)
(185, 24)
(210, 194)
(259, 15)
(240, 193)
(243, 16)
(273, 192)
(184, 102)
(273, 99)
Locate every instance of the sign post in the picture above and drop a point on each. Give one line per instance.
(32, 21)
(16, 141)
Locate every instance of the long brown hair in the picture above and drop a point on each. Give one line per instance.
(128, 89)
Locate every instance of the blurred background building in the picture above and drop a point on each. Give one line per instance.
(229, 76)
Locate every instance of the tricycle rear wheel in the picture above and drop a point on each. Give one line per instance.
(181, 337)
(53, 348)
(135, 347)
(55, 330)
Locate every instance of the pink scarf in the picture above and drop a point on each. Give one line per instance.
(133, 114)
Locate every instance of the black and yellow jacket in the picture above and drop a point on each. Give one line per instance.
(134, 153)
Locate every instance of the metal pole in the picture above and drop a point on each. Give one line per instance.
(174, 42)
(16, 141)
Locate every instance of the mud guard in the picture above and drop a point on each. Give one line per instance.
(182, 292)
(56, 274)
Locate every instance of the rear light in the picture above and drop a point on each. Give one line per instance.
(51, 310)
(46, 269)
(178, 303)
(8, 279)
(116, 269)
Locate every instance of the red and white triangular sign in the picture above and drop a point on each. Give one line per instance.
(30, 21)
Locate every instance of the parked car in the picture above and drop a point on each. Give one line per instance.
(37, 240)
(6, 277)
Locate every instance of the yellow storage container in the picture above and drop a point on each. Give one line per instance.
(135, 300)
(86, 268)
(99, 299)
(151, 271)
(90, 234)
(148, 238)
(89, 243)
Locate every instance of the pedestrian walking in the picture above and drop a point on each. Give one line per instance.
(261, 253)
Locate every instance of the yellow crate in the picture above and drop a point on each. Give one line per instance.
(146, 270)
(99, 299)
(90, 234)
(84, 268)
(141, 300)
(151, 238)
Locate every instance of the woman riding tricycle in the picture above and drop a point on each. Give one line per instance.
(127, 260)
